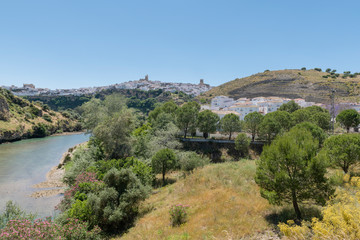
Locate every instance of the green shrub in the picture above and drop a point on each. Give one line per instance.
(188, 161)
(40, 130)
(242, 143)
(303, 68)
(318, 69)
(47, 117)
(12, 211)
(178, 214)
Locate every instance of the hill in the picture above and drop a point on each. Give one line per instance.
(20, 118)
(312, 85)
(224, 201)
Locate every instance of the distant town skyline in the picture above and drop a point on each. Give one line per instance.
(74, 44)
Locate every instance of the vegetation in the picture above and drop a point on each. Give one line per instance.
(309, 84)
(242, 143)
(186, 117)
(20, 119)
(230, 123)
(207, 122)
(289, 107)
(343, 150)
(348, 118)
(163, 161)
(289, 171)
(252, 123)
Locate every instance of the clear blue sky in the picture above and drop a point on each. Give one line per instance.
(80, 43)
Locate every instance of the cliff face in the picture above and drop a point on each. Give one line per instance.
(20, 119)
(311, 85)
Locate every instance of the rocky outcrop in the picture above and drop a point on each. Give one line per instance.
(4, 109)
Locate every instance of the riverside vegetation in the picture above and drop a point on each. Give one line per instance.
(114, 190)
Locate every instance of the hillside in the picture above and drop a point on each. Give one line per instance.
(314, 86)
(224, 201)
(20, 119)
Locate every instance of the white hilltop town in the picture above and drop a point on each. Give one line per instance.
(222, 105)
(142, 84)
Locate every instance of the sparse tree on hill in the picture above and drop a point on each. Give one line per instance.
(289, 171)
(230, 123)
(348, 118)
(252, 123)
(207, 122)
(163, 161)
(186, 117)
(343, 150)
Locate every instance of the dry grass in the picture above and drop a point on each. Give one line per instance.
(348, 89)
(224, 204)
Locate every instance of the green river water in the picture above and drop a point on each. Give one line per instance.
(25, 163)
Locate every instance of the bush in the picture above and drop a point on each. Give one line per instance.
(242, 143)
(47, 229)
(318, 69)
(303, 68)
(40, 130)
(190, 160)
(13, 212)
(47, 117)
(178, 214)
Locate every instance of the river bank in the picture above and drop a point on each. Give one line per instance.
(53, 185)
(10, 137)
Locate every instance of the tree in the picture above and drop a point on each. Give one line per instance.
(115, 134)
(313, 114)
(301, 115)
(343, 150)
(168, 108)
(275, 123)
(242, 143)
(289, 107)
(186, 116)
(315, 131)
(207, 122)
(252, 123)
(114, 208)
(163, 161)
(230, 123)
(289, 172)
(348, 118)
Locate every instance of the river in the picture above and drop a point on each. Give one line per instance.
(25, 163)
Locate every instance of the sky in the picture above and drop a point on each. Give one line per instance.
(85, 43)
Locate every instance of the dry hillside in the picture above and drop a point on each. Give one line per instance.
(309, 84)
(20, 119)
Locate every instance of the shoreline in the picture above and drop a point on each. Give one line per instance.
(55, 134)
(54, 177)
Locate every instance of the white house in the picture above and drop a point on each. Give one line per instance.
(220, 102)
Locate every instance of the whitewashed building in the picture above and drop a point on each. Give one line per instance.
(221, 102)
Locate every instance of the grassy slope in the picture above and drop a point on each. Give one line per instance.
(308, 84)
(17, 109)
(224, 204)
